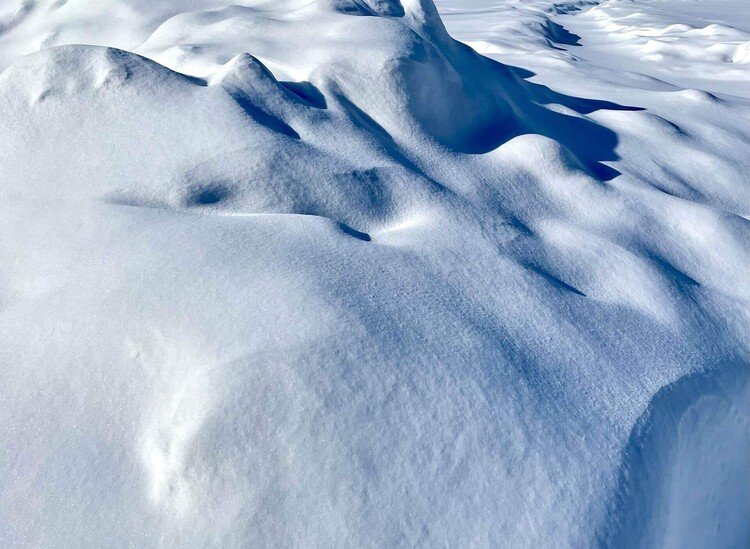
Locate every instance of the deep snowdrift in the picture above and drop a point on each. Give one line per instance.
(310, 272)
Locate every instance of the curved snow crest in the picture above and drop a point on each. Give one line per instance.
(692, 444)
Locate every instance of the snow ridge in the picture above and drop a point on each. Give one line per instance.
(313, 272)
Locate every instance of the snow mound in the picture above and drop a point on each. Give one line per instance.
(408, 78)
(312, 272)
(239, 152)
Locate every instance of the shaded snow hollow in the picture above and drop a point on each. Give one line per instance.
(312, 273)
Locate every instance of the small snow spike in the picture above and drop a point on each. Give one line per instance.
(388, 8)
(424, 18)
(421, 15)
(382, 8)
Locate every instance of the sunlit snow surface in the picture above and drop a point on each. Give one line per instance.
(311, 273)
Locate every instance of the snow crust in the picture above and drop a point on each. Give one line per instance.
(313, 273)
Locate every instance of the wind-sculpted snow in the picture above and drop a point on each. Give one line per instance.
(681, 466)
(313, 273)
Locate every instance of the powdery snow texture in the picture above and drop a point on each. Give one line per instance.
(313, 273)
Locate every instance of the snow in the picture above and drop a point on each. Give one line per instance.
(312, 273)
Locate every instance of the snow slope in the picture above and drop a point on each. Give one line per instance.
(313, 273)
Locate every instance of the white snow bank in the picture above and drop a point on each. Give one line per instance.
(312, 273)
